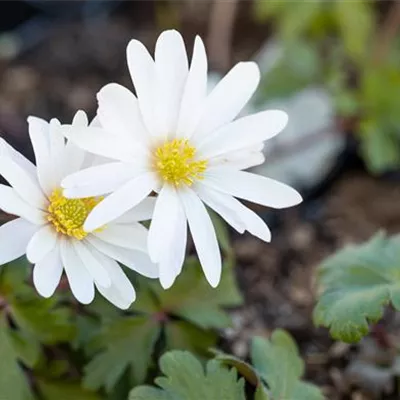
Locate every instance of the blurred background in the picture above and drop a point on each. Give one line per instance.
(334, 66)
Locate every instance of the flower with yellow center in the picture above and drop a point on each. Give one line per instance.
(175, 161)
(69, 215)
(184, 144)
(50, 228)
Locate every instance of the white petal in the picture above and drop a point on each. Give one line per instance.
(142, 70)
(14, 238)
(120, 201)
(171, 73)
(172, 260)
(22, 182)
(163, 222)
(56, 139)
(255, 188)
(215, 200)
(235, 211)
(80, 281)
(132, 236)
(141, 212)
(204, 237)
(41, 244)
(39, 133)
(95, 268)
(98, 180)
(73, 158)
(11, 203)
(247, 160)
(133, 259)
(99, 141)
(80, 119)
(119, 114)
(47, 273)
(228, 98)
(121, 292)
(16, 156)
(194, 92)
(244, 133)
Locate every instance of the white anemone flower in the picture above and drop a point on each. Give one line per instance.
(50, 230)
(184, 144)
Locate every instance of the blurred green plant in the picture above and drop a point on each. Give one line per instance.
(356, 284)
(275, 374)
(183, 317)
(340, 45)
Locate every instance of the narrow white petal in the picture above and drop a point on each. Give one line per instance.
(246, 160)
(142, 69)
(56, 139)
(228, 98)
(121, 292)
(204, 237)
(119, 114)
(99, 141)
(39, 133)
(22, 182)
(243, 133)
(14, 238)
(11, 203)
(171, 73)
(255, 188)
(80, 119)
(133, 259)
(163, 222)
(172, 260)
(132, 236)
(234, 211)
(194, 92)
(95, 268)
(73, 158)
(98, 180)
(47, 273)
(215, 200)
(141, 212)
(41, 244)
(16, 156)
(120, 201)
(80, 281)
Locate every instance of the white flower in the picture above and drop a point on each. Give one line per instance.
(50, 227)
(180, 142)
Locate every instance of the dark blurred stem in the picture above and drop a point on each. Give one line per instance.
(220, 32)
(387, 33)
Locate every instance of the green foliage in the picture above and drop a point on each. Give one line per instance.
(278, 362)
(357, 283)
(185, 379)
(275, 375)
(183, 317)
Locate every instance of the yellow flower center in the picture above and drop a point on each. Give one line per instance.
(176, 164)
(69, 215)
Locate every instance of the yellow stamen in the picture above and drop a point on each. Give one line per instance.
(176, 164)
(69, 215)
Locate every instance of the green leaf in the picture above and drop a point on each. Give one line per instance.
(356, 24)
(357, 283)
(261, 393)
(13, 384)
(26, 347)
(193, 299)
(278, 363)
(65, 391)
(185, 379)
(126, 343)
(181, 335)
